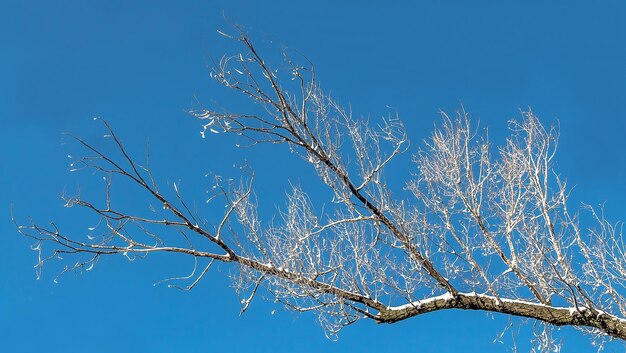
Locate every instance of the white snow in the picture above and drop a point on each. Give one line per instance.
(448, 296)
(418, 303)
(500, 301)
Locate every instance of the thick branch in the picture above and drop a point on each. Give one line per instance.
(559, 316)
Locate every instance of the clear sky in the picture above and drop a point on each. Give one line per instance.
(142, 64)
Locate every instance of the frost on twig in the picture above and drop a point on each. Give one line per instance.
(482, 227)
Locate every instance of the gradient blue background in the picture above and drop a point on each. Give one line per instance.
(141, 64)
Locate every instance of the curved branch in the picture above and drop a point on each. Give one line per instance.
(558, 316)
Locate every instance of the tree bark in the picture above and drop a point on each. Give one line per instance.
(558, 316)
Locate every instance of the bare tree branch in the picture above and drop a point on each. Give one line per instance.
(484, 228)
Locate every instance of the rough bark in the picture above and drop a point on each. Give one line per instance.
(558, 316)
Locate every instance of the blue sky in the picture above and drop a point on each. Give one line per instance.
(142, 64)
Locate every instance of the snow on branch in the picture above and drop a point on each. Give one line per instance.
(482, 227)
